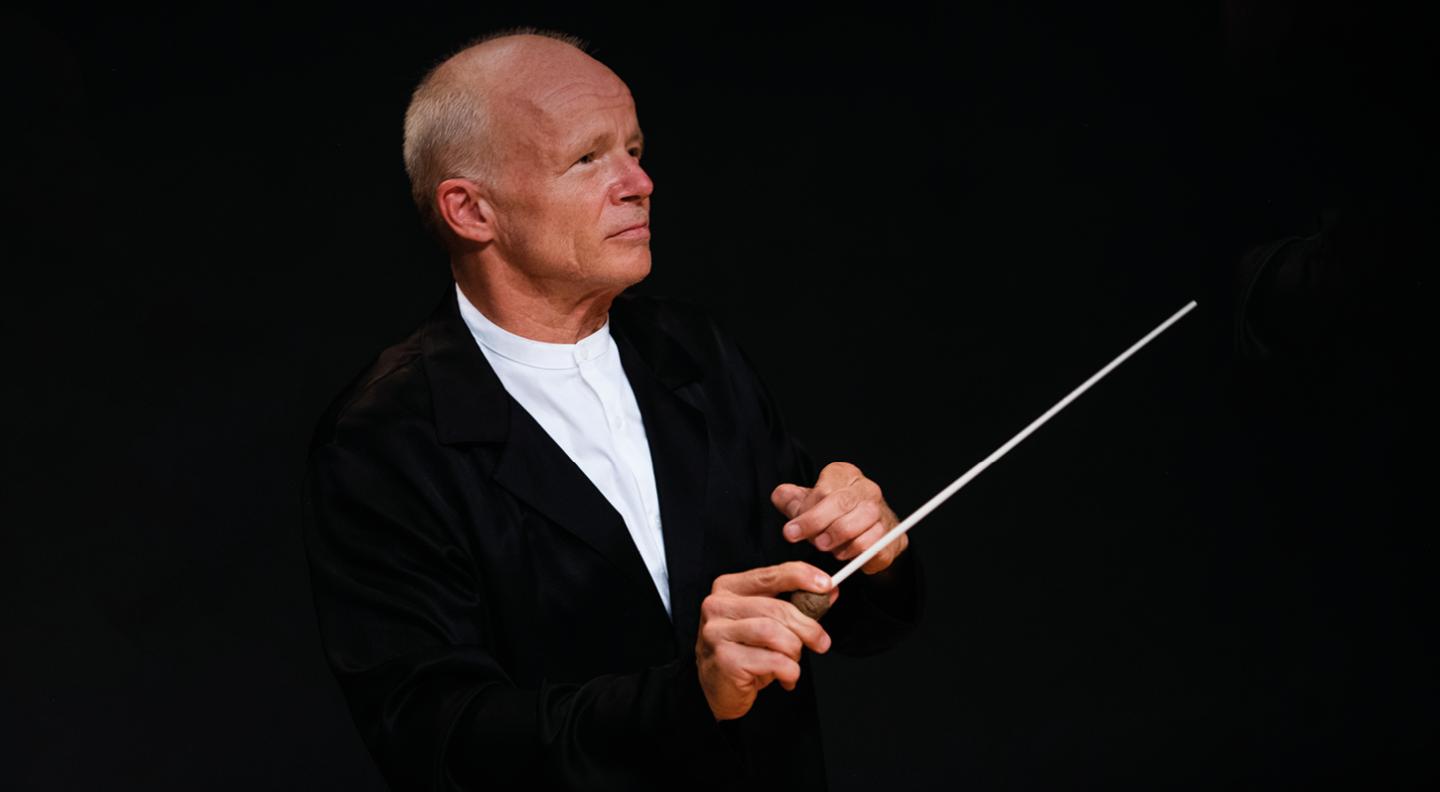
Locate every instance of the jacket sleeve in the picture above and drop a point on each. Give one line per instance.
(403, 618)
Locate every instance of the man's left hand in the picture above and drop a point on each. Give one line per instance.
(843, 514)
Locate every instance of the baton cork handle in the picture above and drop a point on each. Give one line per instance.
(811, 604)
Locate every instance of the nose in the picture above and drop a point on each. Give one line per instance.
(634, 185)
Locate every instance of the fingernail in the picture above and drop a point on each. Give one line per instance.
(823, 581)
(823, 542)
(792, 531)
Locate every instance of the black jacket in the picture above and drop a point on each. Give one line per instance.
(485, 609)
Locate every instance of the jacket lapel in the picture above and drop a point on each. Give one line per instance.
(472, 406)
(659, 371)
(536, 470)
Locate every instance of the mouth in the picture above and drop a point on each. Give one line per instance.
(640, 230)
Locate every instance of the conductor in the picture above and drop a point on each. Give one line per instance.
(547, 532)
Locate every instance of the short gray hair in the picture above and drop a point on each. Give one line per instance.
(447, 127)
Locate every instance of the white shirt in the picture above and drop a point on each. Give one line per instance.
(579, 395)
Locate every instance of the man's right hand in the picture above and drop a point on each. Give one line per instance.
(748, 638)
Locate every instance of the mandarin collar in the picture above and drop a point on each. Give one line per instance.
(529, 352)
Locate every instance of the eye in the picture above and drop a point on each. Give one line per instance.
(636, 151)
(587, 159)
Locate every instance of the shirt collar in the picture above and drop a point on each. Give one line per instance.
(529, 352)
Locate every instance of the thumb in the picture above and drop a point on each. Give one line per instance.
(789, 498)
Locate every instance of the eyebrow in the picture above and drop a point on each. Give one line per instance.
(596, 140)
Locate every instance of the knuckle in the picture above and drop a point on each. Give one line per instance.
(710, 607)
(724, 656)
(796, 570)
(770, 634)
(778, 610)
(798, 623)
(826, 540)
(794, 647)
(787, 614)
(784, 612)
(786, 640)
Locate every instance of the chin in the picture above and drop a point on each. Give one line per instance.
(616, 268)
(634, 269)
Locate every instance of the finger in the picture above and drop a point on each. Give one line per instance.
(848, 526)
(748, 664)
(772, 580)
(763, 633)
(862, 542)
(782, 612)
(838, 474)
(793, 499)
(886, 557)
(819, 516)
(790, 499)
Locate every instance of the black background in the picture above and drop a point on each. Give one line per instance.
(924, 223)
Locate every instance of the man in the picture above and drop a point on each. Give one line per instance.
(545, 531)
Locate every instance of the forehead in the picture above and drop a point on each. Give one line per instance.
(558, 98)
(579, 97)
(567, 107)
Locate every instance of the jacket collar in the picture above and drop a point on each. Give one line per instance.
(472, 406)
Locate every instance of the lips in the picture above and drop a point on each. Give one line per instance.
(633, 231)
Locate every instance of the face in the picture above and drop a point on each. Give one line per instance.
(572, 203)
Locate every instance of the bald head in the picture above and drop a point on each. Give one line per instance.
(462, 115)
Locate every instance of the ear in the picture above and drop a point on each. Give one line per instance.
(465, 210)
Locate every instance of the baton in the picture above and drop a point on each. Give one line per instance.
(815, 605)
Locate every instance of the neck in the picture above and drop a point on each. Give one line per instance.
(533, 309)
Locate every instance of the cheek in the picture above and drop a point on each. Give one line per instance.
(585, 202)
(564, 228)
(552, 232)
(585, 223)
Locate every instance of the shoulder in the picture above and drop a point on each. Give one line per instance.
(681, 318)
(391, 392)
(688, 346)
(650, 319)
